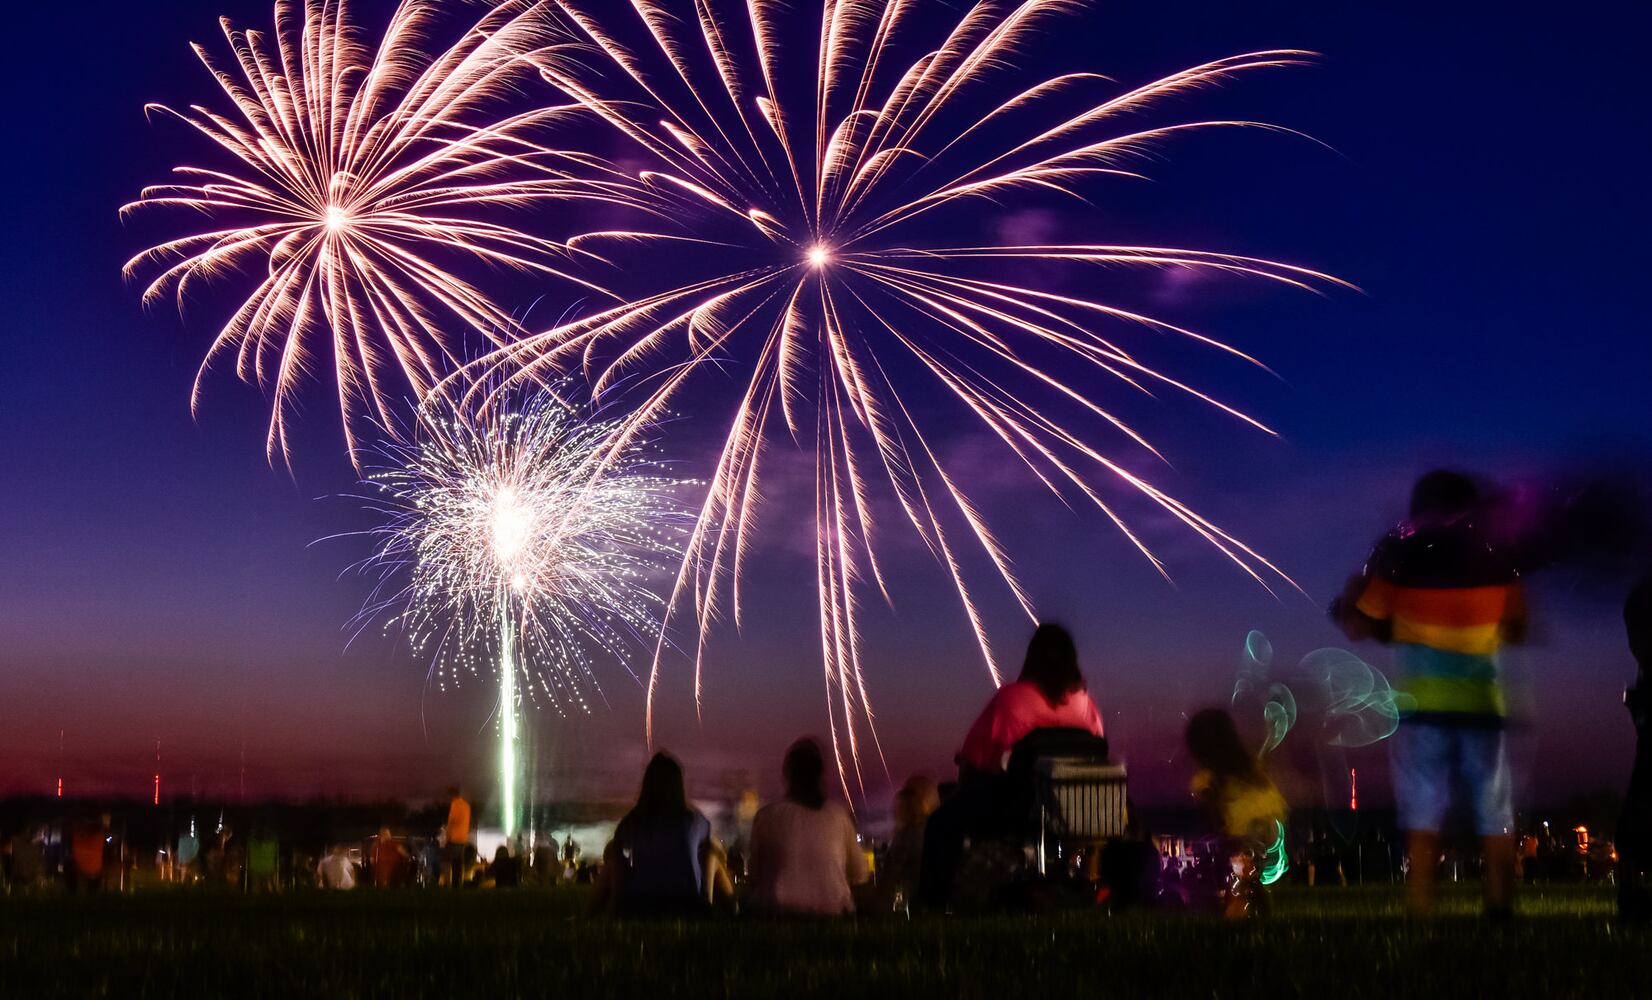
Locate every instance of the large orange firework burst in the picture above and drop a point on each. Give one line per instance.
(824, 288)
(357, 180)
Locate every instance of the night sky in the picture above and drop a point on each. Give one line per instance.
(1484, 187)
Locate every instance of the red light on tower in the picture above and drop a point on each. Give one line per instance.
(1353, 789)
(157, 772)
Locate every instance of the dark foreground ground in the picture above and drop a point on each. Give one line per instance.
(1337, 944)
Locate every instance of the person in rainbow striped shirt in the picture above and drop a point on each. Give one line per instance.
(1446, 600)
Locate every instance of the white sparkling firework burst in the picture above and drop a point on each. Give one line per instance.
(358, 183)
(821, 287)
(504, 516)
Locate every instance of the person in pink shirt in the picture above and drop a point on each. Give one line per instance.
(1050, 693)
(805, 855)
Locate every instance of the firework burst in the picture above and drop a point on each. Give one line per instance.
(514, 541)
(357, 181)
(824, 281)
(505, 540)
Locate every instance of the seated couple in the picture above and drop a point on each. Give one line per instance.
(805, 856)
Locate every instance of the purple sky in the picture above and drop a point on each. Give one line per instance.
(158, 580)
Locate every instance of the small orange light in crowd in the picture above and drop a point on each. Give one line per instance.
(1582, 835)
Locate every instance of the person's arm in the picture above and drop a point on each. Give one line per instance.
(984, 747)
(1363, 610)
(1094, 721)
(714, 862)
(756, 851)
(855, 855)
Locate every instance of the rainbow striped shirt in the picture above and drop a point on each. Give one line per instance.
(1447, 598)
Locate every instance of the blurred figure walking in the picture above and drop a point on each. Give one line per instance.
(1437, 590)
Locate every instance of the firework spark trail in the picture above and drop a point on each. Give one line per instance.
(358, 179)
(834, 304)
(514, 520)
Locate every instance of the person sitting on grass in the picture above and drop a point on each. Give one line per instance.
(656, 863)
(806, 858)
(913, 805)
(504, 871)
(1241, 802)
(1050, 694)
(335, 870)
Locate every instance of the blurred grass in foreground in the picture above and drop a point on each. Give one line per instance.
(1339, 944)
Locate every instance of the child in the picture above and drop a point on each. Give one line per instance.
(1243, 804)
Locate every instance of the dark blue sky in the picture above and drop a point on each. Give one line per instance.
(158, 581)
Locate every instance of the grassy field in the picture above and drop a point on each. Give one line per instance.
(1340, 944)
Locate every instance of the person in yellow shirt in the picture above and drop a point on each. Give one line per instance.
(1236, 792)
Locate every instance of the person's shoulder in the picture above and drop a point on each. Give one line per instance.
(770, 812)
(1389, 552)
(836, 810)
(1017, 693)
(835, 815)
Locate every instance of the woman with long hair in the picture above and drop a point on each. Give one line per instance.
(656, 863)
(1050, 693)
(805, 854)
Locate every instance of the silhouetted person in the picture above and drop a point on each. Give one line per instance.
(656, 863)
(1634, 839)
(1446, 600)
(387, 859)
(87, 849)
(504, 870)
(1049, 694)
(263, 861)
(914, 803)
(806, 858)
